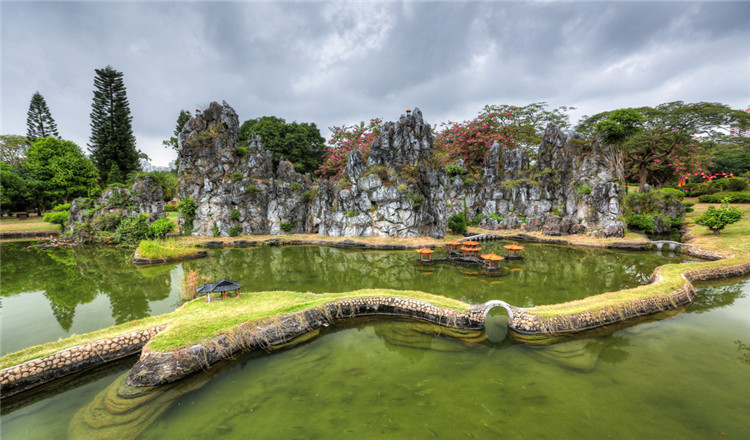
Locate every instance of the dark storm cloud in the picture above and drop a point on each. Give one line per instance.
(335, 63)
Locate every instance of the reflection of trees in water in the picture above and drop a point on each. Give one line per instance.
(744, 350)
(717, 294)
(549, 274)
(70, 277)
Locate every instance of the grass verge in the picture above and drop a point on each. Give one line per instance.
(30, 224)
(735, 238)
(198, 320)
(162, 249)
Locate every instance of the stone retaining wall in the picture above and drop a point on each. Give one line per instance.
(137, 259)
(24, 234)
(156, 368)
(526, 322)
(27, 375)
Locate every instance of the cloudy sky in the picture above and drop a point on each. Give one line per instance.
(336, 63)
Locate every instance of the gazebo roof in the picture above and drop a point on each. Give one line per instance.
(453, 243)
(492, 257)
(471, 243)
(222, 285)
(425, 250)
(513, 247)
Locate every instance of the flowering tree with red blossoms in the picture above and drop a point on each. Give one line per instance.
(345, 139)
(470, 140)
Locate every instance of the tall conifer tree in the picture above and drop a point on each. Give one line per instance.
(39, 122)
(112, 143)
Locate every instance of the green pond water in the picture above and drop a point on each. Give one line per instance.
(682, 375)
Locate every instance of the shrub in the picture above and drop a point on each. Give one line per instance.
(557, 212)
(252, 188)
(402, 188)
(716, 219)
(731, 197)
(672, 194)
(350, 213)
(63, 207)
(236, 176)
(474, 221)
(688, 206)
(457, 224)
(160, 228)
(496, 217)
(235, 215)
(734, 184)
(132, 229)
(234, 231)
(215, 230)
(296, 186)
(57, 218)
(583, 188)
(107, 222)
(416, 199)
(343, 140)
(287, 226)
(310, 194)
(241, 151)
(170, 208)
(454, 170)
(643, 222)
(187, 208)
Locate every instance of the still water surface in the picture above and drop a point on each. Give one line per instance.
(684, 376)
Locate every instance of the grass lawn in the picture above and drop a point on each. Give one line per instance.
(198, 320)
(33, 223)
(734, 238)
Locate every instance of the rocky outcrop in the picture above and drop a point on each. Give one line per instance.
(143, 197)
(396, 193)
(572, 186)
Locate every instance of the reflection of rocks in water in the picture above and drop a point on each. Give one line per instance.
(611, 349)
(123, 412)
(412, 335)
(573, 355)
(744, 350)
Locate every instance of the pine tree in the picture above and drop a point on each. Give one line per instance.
(39, 122)
(112, 141)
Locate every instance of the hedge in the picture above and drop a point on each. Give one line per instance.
(733, 197)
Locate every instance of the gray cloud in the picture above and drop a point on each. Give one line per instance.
(336, 63)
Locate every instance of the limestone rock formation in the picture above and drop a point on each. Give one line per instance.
(573, 186)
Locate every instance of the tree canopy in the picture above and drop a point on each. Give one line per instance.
(668, 143)
(14, 192)
(299, 143)
(13, 148)
(112, 143)
(39, 122)
(56, 170)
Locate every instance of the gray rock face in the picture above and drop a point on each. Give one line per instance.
(574, 186)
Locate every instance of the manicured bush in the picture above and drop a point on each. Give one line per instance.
(716, 219)
(235, 231)
(672, 194)
(643, 222)
(734, 184)
(58, 218)
(160, 228)
(62, 207)
(689, 206)
(457, 224)
(731, 197)
(170, 208)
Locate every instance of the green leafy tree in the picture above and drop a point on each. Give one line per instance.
(668, 143)
(716, 219)
(57, 170)
(299, 143)
(39, 122)
(526, 124)
(166, 180)
(182, 118)
(13, 148)
(14, 192)
(112, 142)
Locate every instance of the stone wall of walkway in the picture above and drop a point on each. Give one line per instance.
(27, 375)
(156, 368)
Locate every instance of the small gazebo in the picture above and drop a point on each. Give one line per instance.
(222, 286)
(453, 244)
(513, 251)
(492, 261)
(471, 251)
(425, 254)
